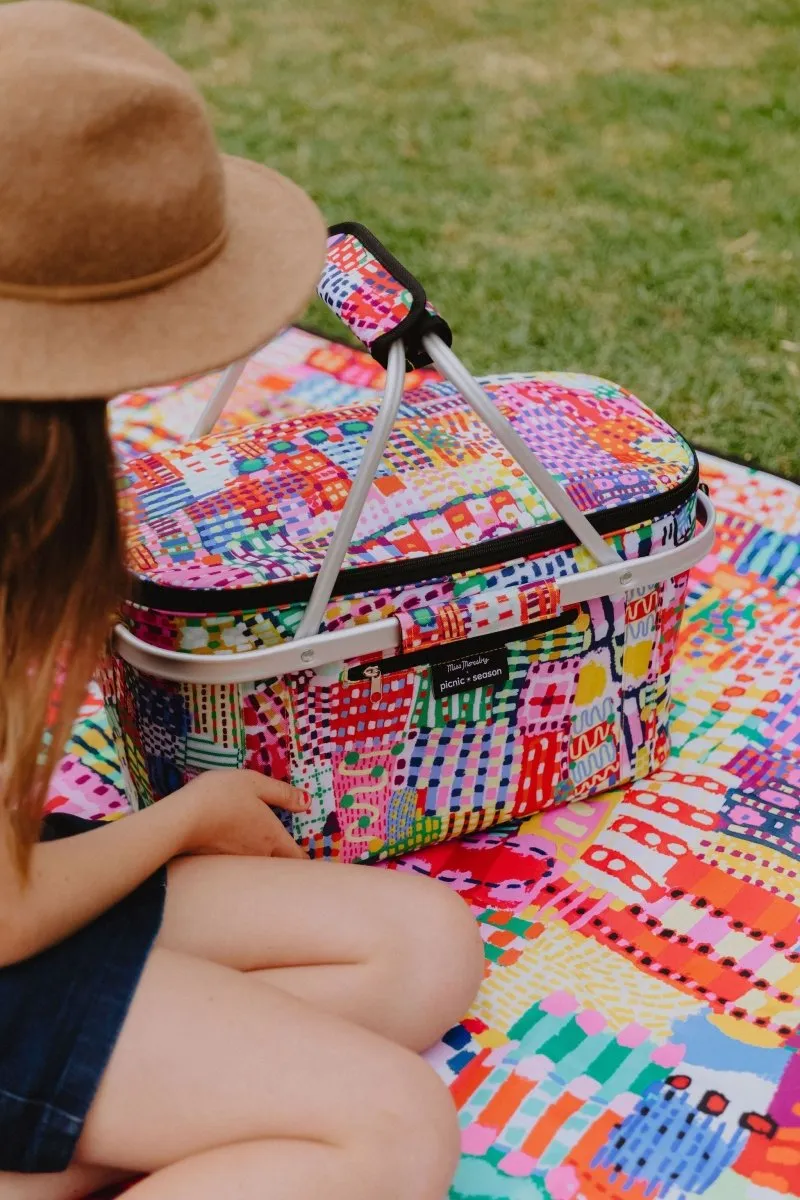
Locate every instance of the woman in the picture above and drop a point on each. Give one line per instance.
(180, 994)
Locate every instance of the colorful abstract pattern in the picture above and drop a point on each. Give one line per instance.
(362, 293)
(260, 505)
(422, 628)
(290, 376)
(375, 296)
(637, 1034)
(398, 754)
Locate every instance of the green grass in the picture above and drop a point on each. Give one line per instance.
(600, 185)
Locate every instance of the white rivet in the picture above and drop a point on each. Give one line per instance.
(625, 578)
(307, 656)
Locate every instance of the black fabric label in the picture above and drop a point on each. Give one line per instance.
(466, 674)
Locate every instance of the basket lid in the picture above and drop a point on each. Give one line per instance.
(258, 506)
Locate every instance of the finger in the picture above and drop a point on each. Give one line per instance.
(279, 794)
(284, 845)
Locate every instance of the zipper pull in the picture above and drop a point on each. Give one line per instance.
(373, 674)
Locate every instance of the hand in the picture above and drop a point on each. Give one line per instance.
(228, 812)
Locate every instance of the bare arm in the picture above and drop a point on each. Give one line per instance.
(73, 880)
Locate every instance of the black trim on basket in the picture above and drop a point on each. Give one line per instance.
(356, 580)
(465, 647)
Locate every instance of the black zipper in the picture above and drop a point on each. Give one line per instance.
(355, 580)
(465, 648)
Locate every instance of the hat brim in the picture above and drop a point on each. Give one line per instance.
(261, 279)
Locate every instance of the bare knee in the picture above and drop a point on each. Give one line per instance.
(409, 1135)
(435, 945)
(455, 942)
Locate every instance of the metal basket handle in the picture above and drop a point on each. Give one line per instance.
(373, 294)
(386, 635)
(453, 369)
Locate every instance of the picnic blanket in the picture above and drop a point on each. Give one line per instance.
(636, 1037)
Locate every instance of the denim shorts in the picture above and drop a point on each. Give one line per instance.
(61, 1013)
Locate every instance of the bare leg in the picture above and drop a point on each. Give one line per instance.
(75, 1184)
(221, 1085)
(396, 953)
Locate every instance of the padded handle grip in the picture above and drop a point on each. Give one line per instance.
(376, 297)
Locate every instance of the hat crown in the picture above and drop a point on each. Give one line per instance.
(109, 171)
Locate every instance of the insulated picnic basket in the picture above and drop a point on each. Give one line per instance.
(434, 614)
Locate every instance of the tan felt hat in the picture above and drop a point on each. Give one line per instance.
(132, 252)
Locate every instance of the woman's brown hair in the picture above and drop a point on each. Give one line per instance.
(61, 579)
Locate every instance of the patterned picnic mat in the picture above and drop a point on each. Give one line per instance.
(636, 1035)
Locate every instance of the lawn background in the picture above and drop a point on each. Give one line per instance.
(602, 185)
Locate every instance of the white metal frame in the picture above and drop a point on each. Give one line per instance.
(311, 649)
(384, 636)
(221, 395)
